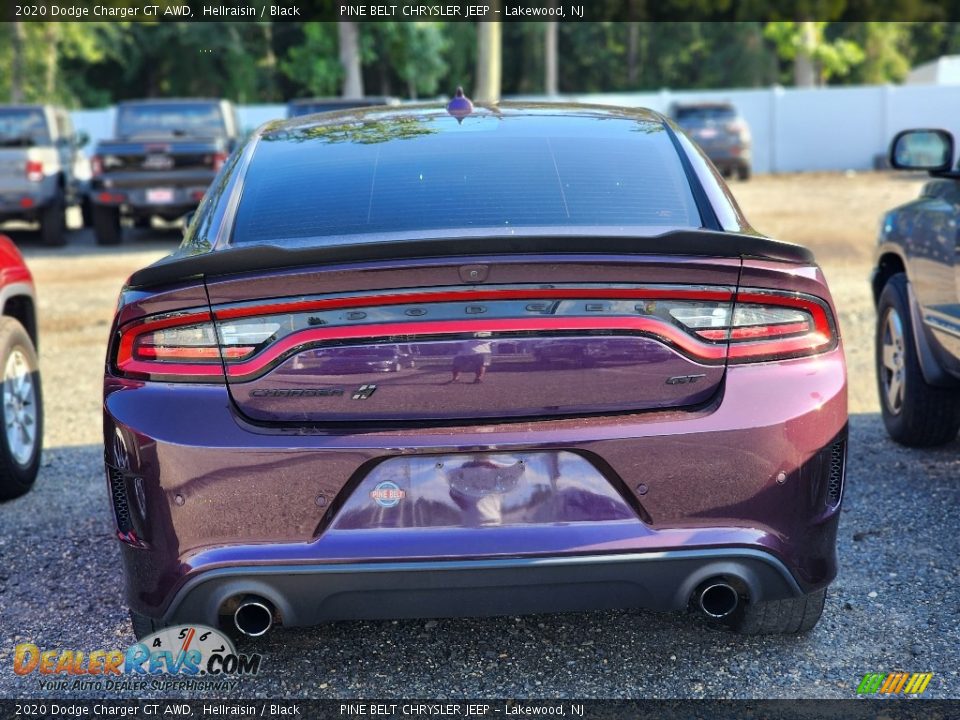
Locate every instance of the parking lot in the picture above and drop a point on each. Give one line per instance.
(895, 605)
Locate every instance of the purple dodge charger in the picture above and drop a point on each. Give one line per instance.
(412, 362)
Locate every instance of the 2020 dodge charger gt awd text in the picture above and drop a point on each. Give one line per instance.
(604, 389)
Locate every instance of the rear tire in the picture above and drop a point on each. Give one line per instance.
(53, 223)
(86, 212)
(744, 171)
(106, 225)
(781, 617)
(21, 411)
(915, 413)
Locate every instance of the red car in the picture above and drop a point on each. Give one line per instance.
(21, 407)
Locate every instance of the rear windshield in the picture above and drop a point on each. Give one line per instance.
(23, 127)
(703, 114)
(170, 120)
(411, 174)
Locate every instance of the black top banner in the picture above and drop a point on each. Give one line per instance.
(149, 11)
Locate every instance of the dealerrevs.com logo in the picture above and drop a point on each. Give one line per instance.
(896, 683)
(175, 658)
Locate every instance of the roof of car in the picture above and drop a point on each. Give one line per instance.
(381, 99)
(705, 103)
(400, 114)
(160, 101)
(26, 106)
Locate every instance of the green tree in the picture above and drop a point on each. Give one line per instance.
(314, 65)
(815, 58)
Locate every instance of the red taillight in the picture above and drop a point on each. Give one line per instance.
(96, 165)
(218, 160)
(34, 170)
(767, 325)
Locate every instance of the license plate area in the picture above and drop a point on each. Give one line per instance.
(160, 196)
(473, 490)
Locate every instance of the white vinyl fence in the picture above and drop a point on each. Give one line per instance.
(794, 130)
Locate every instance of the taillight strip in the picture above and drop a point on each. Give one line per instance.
(231, 313)
(704, 346)
(704, 352)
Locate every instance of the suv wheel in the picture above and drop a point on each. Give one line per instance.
(53, 223)
(106, 225)
(915, 413)
(21, 411)
(779, 617)
(86, 212)
(744, 171)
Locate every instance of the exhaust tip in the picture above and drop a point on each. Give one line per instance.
(253, 617)
(718, 600)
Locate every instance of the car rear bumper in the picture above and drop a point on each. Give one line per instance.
(167, 195)
(26, 200)
(309, 595)
(212, 501)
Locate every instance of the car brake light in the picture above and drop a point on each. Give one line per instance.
(34, 170)
(709, 325)
(96, 165)
(218, 160)
(774, 326)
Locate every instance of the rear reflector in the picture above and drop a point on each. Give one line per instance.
(709, 325)
(34, 170)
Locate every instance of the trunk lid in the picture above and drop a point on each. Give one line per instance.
(458, 340)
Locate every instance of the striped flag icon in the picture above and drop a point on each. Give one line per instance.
(894, 683)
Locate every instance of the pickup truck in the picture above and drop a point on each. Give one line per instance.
(39, 157)
(163, 158)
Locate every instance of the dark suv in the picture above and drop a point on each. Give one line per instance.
(722, 134)
(915, 286)
(163, 158)
(309, 106)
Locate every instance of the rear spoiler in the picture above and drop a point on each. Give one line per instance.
(181, 267)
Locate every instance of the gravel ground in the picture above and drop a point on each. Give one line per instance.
(895, 605)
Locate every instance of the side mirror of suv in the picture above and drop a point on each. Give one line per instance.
(930, 150)
(82, 138)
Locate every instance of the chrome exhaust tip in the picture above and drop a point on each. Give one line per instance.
(718, 600)
(253, 617)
